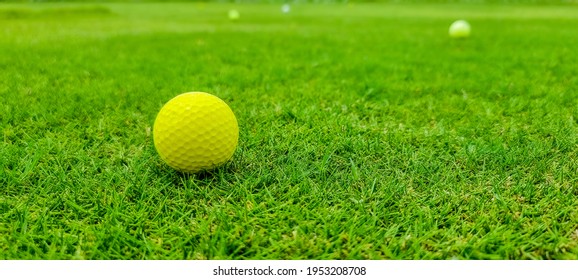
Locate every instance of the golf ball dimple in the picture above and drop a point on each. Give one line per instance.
(195, 131)
(460, 29)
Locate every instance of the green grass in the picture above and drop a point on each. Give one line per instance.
(365, 132)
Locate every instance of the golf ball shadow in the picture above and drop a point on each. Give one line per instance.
(202, 179)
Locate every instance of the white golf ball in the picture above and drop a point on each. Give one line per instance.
(460, 29)
(234, 14)
(285, 8)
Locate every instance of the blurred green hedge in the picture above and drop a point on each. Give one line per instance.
(320, 1)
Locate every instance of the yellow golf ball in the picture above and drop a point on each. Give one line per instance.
(460, 29)
(234, 15)
(195, 131)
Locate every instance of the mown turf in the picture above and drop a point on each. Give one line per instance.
(365, 132)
